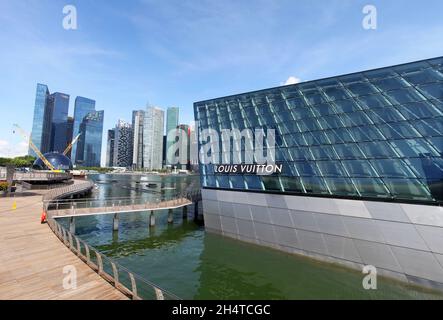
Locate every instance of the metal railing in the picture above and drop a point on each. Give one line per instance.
(84, 206)
(129, 283)
(39, 176)
(55, 194)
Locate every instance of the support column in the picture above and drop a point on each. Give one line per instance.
(170, 216)
(72, 225)
(185, 212)
(151, 219)
(115, 222)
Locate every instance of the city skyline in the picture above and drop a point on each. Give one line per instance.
(194, 54)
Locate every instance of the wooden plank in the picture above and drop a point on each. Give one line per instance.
(33, 258)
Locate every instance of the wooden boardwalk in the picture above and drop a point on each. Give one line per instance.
(32, 259)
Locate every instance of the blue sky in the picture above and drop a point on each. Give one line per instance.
(173, 53)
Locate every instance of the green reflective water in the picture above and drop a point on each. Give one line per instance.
(185, 260)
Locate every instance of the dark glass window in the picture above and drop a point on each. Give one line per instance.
(271, 183)
(417, 110)
(253, 182)
(291, 184)
(361, 88)
(407, 189)
(346, 106)
(341, 186)
(336, 93)
(373, 101)
(383, 115)
(331, 168)
(379, 149)
(413, 148)
(392, 168)
(348, 151)
(371, 187)
(314, 185)
(423, 76)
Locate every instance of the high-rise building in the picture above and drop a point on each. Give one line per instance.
(172, 115)
(184, 144)
(137, 138)
(123, 145)
(90, 145)
(69, 133)
(82, 107)
(357, 173)
(153, 138)
(110, 148)
(59, 121)
(40, 134)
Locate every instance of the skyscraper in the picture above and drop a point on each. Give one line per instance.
(137, 138)
(123, 145)
(40, 128)
(172, 115)
(82, 107)
(110, 148)
(90, 145)
(59, 103)
(184, 144)
(153, 138)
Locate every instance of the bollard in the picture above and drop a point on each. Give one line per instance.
(170, 216)
(152, 219)
(72, 225)
(115, 222)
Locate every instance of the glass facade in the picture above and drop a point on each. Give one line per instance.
(376, 134)
(153, 128)
(172, 115)
(82, 107)
(91, 142)
(40, 131)
(59, 121)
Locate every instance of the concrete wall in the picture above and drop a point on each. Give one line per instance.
(404, 241)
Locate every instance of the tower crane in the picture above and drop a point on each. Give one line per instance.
(69, 147)
(26, 136)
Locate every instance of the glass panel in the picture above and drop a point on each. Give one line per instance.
(411, 67)
(210, 181)
(437, 143)
(314, 185)
(330, 122)
(300, 153)
(346, 106)
(379, 74)
(223, 182)
(390, 84)
(398, 130)
(271, 183)
(404, 96)
(306, 168)
(379, 149)
(383, 115)
(237, 182)
(348, 151)
(436, 62)
(331, 168)
(336, 93)
(371, 187)
(253, 182)
(392, 168)
(433, 91)
(429, 127)
(355, 119)
(361, 88)
(313, 99)
(323, 109)
(366, 133)
(341, 186)
(417, 110)
(291, 184)
(423, 76)
(359, 168)
(413, 148)
(373, 101)
(407, 189)
(340, 135)
(296, 103)
(301, 113)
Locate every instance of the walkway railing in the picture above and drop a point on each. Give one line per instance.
(129, 283)
(75, 188)
(121, 204)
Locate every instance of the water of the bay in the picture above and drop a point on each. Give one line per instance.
(185, 260)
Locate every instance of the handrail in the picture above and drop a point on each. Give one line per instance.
(116, 273)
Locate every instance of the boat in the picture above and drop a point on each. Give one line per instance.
(151, 185)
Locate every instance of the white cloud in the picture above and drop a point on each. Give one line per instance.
(291, 80)
(8, 150)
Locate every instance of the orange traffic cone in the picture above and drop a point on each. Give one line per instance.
(43, 217)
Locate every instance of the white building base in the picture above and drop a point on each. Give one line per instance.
(403, 241)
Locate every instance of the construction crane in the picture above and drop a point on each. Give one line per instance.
(26, 136)
(69, 147)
